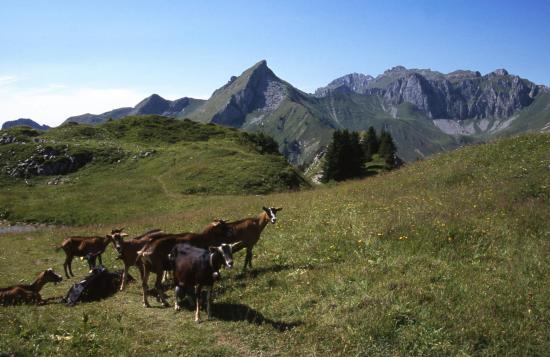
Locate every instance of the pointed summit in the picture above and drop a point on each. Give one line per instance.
(257, 89)
(151, 105)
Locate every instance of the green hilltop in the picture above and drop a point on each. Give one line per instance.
(77, 173)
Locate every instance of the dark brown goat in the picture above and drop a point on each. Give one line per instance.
(154, 256)
(128, 250)
(195, 268)
(89, 247)
(28, 293)
(248, 231)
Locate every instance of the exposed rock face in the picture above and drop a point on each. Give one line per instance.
(258, 89)
(355, 82)
(23, 121)
(47, 161)
(457, 95)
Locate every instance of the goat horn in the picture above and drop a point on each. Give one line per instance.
(236, 246)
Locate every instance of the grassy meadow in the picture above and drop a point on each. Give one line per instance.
(447, 256)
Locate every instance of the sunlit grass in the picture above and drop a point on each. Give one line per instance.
(447, 256)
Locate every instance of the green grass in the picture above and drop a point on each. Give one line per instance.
(184, 158)
(447, 256)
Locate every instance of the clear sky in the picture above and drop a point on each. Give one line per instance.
(64, 58)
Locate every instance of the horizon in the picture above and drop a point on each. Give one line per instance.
(92, 58)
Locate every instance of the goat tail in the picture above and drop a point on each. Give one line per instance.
(58, 248)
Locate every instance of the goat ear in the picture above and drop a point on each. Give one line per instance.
(279, 209)
(109, 235)
(265, 208)
(212, 249)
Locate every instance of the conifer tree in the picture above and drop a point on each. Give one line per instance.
(344, 158)
(387, 149)
(370, 144)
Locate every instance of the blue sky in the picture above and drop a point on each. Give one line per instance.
(64, 58)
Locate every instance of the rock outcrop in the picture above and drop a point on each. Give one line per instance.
(48, 161)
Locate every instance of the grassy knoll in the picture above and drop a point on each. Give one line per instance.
(447, 256)
(141, 166)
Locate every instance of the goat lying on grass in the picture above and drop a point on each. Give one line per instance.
(154, 256)
(88, 247)
(28, 293)
(197, 268)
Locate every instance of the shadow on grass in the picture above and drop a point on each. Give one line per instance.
(240, 312)
(253, 273)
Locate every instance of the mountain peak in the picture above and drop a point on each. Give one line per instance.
(355, 82)
(396, 69)
(500, 72)
(260, 67)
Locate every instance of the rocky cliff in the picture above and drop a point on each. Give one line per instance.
(458, 95)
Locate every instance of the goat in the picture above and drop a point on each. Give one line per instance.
(154, 256)
(88, 247)
(197, 268)
(128, 250)
(25, 293)
(248, 231)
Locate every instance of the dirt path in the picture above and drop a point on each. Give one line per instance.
(167, 192)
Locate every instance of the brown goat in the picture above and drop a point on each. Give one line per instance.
(89, 247)
(27, 293)
(248, 231)
(128, 250)
(154, 256)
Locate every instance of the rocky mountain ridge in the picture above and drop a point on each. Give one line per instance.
(425, 111)
(457, 95)
(154, 104)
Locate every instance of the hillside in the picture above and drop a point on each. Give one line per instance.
(446, 256)
(425, 111)
(141, 162)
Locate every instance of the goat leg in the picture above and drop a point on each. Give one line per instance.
(248, 258)
(71, 266)
(124, 277)
(208, 301)
(144, 279)
(197, 303)
(177, 293)
(65, 264)
(160, 293)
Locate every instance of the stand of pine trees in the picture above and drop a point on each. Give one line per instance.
(348, 152)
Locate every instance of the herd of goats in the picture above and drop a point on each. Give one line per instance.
(193, 258)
